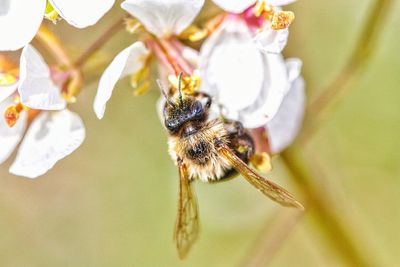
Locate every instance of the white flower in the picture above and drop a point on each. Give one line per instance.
(52, 135)
(36, 88)
(267, 39)
(20, 19)
(164, 17)
(19, 22)
(128, 61)
(271, 41)
(160, 17)
(285, 125)
(239, 6)
(82, 14)
(236, 6)
(248, 85)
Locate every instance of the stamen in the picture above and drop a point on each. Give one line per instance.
(261, 8)
(133, 26)
(195, 34)
(261, 161)
(189, 84)
(282, 20)
(139, 76)
(7, 79)
(51, 14)
(11, 114)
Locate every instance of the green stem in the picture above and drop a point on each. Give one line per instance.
(321, 206)
(357, 61)
(318, 202)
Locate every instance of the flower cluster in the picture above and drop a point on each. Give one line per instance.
(239, 64)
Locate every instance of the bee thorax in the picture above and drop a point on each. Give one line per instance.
(198, 152)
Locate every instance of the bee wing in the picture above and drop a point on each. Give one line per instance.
(267, 187)
(187, 222)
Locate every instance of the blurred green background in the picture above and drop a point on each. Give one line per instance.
(113, 202)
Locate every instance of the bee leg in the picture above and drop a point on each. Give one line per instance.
(241, 143)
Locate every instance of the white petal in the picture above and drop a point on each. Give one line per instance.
(51, 137)
(284, 127)
(7, 90)
(234, 6)
(276, 85)
(280, 2)
(271, 41)
(231, 67)
(294, 68)
(19, 22)
(80, 13)
(36, 88)
(164, 17)
(10, 137)
(128, 61)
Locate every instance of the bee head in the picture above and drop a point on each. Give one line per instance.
(186, 109)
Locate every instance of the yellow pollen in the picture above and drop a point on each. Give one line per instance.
(190, 84)
(282, 20)
(261, 161)
(7, 79)
(51, 14)
(11, 114)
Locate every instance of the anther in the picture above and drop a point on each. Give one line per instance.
(11, 114)
(282, 20)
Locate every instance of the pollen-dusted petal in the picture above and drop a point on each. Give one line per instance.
(19, 22)
(271, 41)
(285, 125)
(231, 67)
(128, 61)
(36, 88)
(234, 6)
(164, 17)
(7, 90)
(51, 137)
(10, 136)
(81, 13)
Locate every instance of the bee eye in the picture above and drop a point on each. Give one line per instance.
(197, 109)
(171, 124)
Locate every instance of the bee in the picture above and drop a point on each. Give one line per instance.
(208, 150)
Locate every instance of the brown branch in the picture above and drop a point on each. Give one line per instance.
(99, 42)
(49, 40)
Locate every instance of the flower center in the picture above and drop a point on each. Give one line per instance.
(262, 13)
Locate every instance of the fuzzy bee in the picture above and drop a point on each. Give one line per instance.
(210, 151)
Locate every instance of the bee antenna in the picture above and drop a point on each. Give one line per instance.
(180, 88)
(164, 92)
